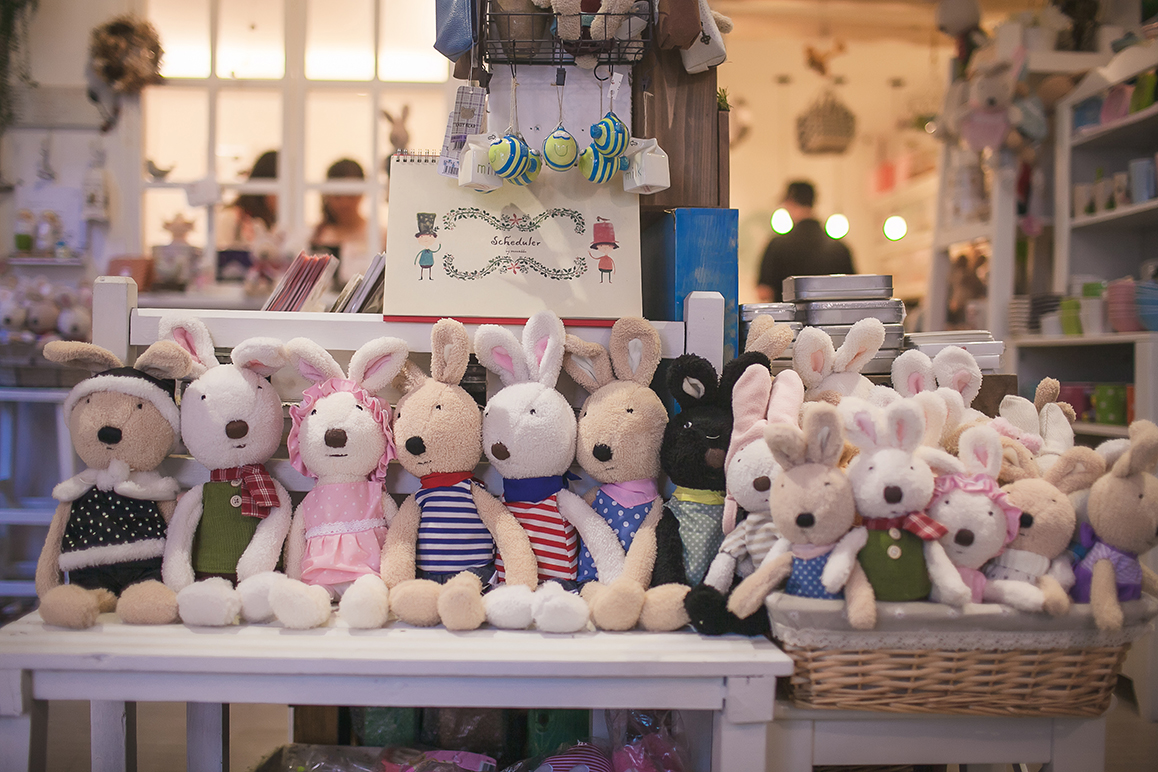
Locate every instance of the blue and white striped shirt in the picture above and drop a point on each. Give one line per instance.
(451, 535)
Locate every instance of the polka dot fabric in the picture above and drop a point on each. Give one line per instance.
(805, 579)
(701, 534)
(624, 520)
(105, 518)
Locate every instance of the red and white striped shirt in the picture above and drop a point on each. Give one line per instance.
(553, 540)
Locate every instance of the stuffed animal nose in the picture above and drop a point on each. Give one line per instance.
(762, 483)
(235, 430)
(415, 446)
(893, 494)
(499, 451)
(109, 435)
(715, 458)
(335, 438)
(806, 520)
(601, 452)
(964, 537)
(1026, 520)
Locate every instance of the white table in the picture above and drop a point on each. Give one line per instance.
(115, 665)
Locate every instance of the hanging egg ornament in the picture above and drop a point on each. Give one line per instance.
(609, 136)
(509, 156)
(560, 150)
(534, 166)
(600, 168)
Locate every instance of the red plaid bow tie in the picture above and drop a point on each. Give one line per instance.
(917, 523)
(258, 494)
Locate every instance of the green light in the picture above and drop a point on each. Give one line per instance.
(781, 221)
(895, 228)
(836, 226)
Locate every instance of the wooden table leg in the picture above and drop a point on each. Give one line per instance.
(23, 724)
(113, 727)
(206, 737)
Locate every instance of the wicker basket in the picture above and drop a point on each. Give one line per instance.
(987, 660)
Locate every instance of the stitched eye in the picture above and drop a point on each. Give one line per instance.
(140, 406)
(870, 468)
(360, 407)
(438, 407)
(631, 410)
(202, 396)
(87, 399)
(688, 425)
(532, 411)
(314, 411)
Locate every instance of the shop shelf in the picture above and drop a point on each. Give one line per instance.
(1144, 215)
(1109, 338)
(963, 233)
(1100, 430)
(1136, 130)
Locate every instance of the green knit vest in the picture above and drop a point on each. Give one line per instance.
(896, 579)
(223, 533)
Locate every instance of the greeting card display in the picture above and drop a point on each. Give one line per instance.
(563, 244)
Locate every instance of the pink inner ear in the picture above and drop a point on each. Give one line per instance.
(818, 361)
(183, 339)
(900, 432)
(867, 426)
(982, 454)
(377, 365)
(541, 349)
(311, 373)
(916, 383)
(960, 381)
(503, 358)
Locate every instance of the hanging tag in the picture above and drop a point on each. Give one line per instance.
(616, 79)
(561, 76)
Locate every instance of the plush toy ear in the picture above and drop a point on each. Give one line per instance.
(1056, 433)
(956, 368)
(1016, 462)
(164, 359)
(823, 434)
(692, 380)
(813, 355)
(936, 413)
(980, 450)
(787, 398)
(312, 361)
(861, 344)
(1047, 391)
(939, 461)
(861, 423)
(449, 351)
(412, 377)
(750, 399)
(786, 443)
(734, 369)
(768, 337)
(377, 363)
(500, 352)
(635, 350)
(86, 356)
(543, 342)
(191, 334)
(264, 356)
(913, 374)
(588, 364)
(1077, 469)
(904, 426)
(1020, 412)
(1112, 450)
(1143, 452)
(882, 396)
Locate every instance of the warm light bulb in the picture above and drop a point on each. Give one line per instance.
(895, 228)
(836, 226)
(781, 221)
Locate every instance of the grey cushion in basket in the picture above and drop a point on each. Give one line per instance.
(934, 626)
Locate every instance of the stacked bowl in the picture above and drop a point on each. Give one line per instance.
(1146, 300)
(1123, 309)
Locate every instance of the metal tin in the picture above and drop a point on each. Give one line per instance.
(860, 286)
(894, 334)
(881, 364)
(978, 349)
(989, 363)
(949, 337)
(781, 312)
(852, 311)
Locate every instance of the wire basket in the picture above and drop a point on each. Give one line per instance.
(517, 32)
(825, 127)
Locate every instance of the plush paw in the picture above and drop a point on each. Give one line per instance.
(509, 607)
(366, 604)
(617, 605)
(147, 603)
(1055, 601)
(106, 600)
(1107, 616)
(663, 608)
(862, 614)
(707, 608)
(211, 603)
(254, 593)
(559, 611)
(415, 602)
(299, 606)
(70, 605)
(460, 604)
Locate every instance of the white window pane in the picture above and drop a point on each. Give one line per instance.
(425, 119)
(338, 125)
(340, 40)
(251, 39)
(177, 131)
(406, 40)
(184, 31)
(248, 124)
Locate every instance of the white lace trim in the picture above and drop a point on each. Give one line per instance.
(351, 526)
(1021, 565)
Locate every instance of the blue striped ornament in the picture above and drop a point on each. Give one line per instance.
(560, 150)
(609, 136)
(599, 168)
(534, 166)
(509, 156)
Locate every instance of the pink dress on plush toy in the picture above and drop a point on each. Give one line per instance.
(344, 532)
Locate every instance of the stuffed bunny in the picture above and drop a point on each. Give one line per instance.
(108, 531)
(1044, 426)
(813, 507)
(339, 434)
(1123, 509)
(618, 438)
(231, 528)
(528, 432)
(829, 373)
(892, 479)
(952, 370)
(1037, 555)
(439, 430)
(981, 521)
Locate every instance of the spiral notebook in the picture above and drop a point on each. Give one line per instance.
(561, 243)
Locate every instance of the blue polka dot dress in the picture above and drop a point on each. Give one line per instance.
(805, 579)
(624, 520)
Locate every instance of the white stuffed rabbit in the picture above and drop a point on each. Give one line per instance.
(1044, 426)
(892, 478)
(528, 434)
(229, 530)
(824, 368)
(952, 375)
(340, 435)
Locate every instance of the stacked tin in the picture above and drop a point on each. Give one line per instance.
(979, 343)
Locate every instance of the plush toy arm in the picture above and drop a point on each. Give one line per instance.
(860, 601)
(168, 508)
(1062, 571)
(669, 552)
(842, 559)
(1022, 596)
(401, 542)
(177, 565)
(48, 565)
(640, 560)
(1055, 601)
(948, 586)
(389, 507)
(721, 571)
(750, 593)
(519, 561)
(1104, 603)
(295, 546)
(1149, 581)
(590, 495)
(266, 544)
(596, 535)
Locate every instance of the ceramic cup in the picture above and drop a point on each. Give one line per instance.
(1121, 189)
(609, 136)
(1051, 324)
(1083, 197)
(1109, 401)
(1103, 196)
(1093, 316)
(509, 156)
(1142, 181)
(560, 150)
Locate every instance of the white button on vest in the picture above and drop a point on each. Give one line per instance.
(235, 501)
(895, 533)
(894, 552)
(236, 483)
